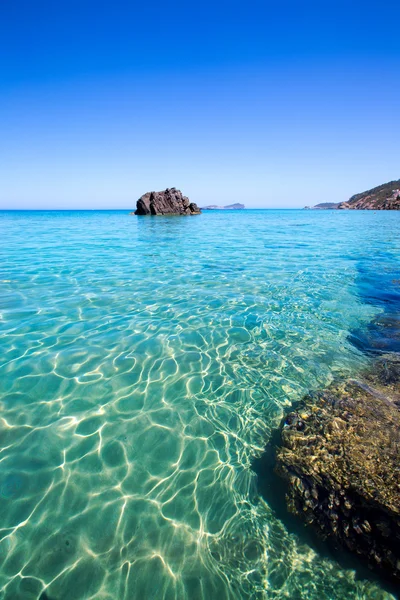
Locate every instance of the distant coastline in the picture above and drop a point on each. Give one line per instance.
(382, 197)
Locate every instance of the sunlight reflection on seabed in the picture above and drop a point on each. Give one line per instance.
(135, 394)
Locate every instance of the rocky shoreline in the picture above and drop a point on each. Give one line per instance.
(382, 197)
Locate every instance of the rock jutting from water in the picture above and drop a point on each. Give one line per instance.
(169, 202)
(339, 454)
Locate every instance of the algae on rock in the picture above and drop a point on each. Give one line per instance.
(340, 456)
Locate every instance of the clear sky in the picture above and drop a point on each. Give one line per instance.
(274, 104)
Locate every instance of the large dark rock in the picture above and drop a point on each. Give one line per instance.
(340, 457)
(169, 202)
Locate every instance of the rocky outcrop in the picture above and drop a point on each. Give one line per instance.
(383, 197)
(339, 454)
(169, 202)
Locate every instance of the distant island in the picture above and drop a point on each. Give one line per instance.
(325, 205)
(236, 206)
(382, 197)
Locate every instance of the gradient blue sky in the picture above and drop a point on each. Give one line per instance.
(274, 104)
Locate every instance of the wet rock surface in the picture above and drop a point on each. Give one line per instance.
(339, 454)
(169, 202)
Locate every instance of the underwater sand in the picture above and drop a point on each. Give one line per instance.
(144, 364)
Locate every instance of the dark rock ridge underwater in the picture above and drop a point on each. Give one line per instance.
(338, 451)
(169, 202)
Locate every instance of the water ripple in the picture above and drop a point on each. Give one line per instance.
(144, 364)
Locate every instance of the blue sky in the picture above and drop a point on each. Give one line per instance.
(274, 104)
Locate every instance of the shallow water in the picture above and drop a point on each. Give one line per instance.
(145, 362)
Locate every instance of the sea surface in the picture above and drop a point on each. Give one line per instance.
(145, 363)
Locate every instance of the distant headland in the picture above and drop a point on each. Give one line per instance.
(382, 197)
(236, 206)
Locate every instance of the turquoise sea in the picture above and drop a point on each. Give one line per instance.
(144, 365)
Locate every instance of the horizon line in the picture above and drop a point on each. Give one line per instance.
(132, 209)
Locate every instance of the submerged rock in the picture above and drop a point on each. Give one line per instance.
(340, 457)
(381, 335)
(169, 202)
